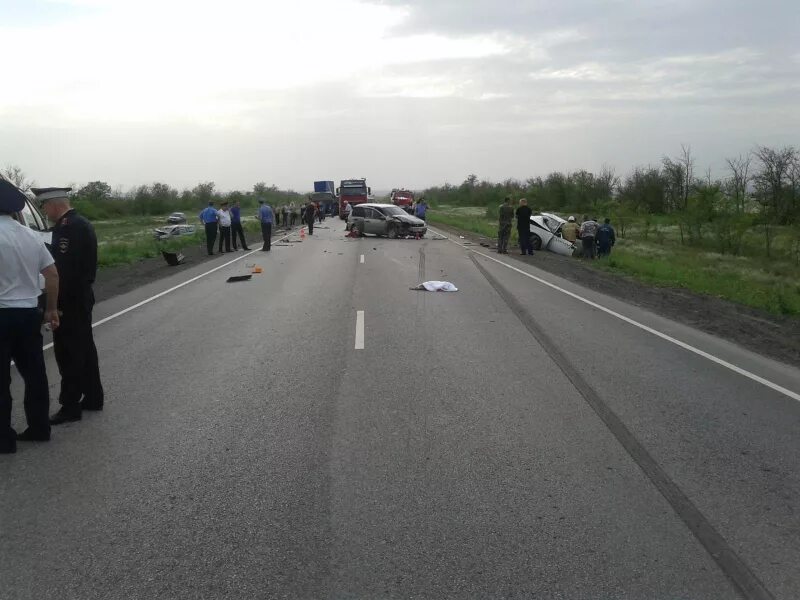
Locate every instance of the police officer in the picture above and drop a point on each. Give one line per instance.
(74, 249)
(209, 218)
(23, 256)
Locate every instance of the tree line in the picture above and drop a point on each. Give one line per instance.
(97, 200)
(759, 190)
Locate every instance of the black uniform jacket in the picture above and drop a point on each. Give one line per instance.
(74, 249)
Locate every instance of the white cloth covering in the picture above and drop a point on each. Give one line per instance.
(438, 286)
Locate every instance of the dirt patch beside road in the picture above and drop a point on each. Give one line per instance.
(120, 279)
(759, 331)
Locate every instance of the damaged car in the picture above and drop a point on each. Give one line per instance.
(171, 231)
(385, 220)
(546, 234)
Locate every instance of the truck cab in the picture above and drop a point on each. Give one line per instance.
(352, 191)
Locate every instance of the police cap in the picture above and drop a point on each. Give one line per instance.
(11, 198)
(51, 193)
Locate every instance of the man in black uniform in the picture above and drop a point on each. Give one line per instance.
(74, 249)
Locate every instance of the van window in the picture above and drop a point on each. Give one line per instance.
(31, 218)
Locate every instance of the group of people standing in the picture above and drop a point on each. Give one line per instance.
(229, 224)
(506, 218)
(596, 240)
(69, 268)
(226, 223)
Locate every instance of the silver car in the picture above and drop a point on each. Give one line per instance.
(386, 220)
(171, 231)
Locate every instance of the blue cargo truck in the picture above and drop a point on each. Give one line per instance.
(324, 194)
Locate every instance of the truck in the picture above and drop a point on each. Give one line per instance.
(324, 195)
(352, 191)
(402, 198)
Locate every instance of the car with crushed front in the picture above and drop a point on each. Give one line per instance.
(384, 220)
(172, 231)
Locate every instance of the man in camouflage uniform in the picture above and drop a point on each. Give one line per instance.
(504, 230)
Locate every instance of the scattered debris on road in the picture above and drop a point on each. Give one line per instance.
(234, 278)
(436, 286)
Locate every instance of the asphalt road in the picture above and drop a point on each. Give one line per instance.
(504, 441)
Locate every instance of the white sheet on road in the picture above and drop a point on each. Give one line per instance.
(437, 286)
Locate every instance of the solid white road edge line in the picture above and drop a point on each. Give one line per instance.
(360, 330)
(724, 363)
(169, 291)
(361, 260)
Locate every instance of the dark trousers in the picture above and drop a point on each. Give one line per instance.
(603, 249)
(76, 356)
(266, 233)
(21, 341)
(503, 235)
(589, 247)
(525, 246)
(293, 220)
(225, 236)
(310, 226)
(237, 230)
(211, 236)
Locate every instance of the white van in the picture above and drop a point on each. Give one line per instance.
(31, 217)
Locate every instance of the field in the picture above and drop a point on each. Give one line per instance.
(650, 251)
(129, 239)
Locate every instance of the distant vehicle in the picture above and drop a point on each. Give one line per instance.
(546, 234)
(384, 220)
(402, 198)
(325, 195)
(176, 218)
(352, 191)
(171, 231)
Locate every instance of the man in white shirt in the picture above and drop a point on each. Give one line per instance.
(224, 219)
(23, 256)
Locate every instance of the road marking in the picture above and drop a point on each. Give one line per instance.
(361, 260)
(724, 363)
(714, 543)
(169, 291)
(360, 330)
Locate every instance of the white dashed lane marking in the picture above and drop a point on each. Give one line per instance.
(360, 330)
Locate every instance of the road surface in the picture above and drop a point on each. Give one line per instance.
(504, 441)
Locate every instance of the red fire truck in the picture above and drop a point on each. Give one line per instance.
(403, 198)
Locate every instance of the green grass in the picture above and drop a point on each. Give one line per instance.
(769, 284)
(125, 252)
(747, 282)
(126, 240)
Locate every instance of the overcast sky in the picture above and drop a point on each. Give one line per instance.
(406, 93)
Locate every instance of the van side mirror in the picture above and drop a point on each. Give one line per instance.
(369, 191)
(337, 191)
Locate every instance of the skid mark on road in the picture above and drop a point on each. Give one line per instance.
(745, 581)
(744, 372)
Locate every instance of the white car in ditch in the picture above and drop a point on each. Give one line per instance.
(546, 234)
